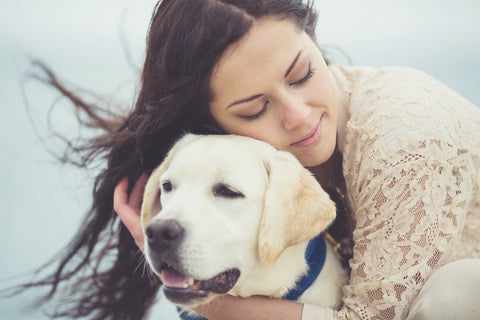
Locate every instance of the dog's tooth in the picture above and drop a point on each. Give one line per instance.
(185, 286)
(190, 281)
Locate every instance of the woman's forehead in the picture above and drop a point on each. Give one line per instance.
(266, 39)
(267, 50)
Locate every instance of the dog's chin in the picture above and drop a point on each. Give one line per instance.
(187, 291)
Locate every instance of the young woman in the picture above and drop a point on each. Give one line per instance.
(402, 148)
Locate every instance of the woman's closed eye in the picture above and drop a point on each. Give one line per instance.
(257, 115)
(305, 78)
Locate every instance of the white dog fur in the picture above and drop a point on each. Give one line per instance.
(264, 234)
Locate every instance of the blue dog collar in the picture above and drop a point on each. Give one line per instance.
(185, 316)
(315, 255)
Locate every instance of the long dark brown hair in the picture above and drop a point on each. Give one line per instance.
(99, 275)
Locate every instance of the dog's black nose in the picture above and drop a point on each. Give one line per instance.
(162, 234)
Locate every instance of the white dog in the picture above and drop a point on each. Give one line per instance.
(230, 214)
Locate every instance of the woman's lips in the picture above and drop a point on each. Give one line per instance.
(312, 137)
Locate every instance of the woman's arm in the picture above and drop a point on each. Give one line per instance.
(408, 208)
(227, 307)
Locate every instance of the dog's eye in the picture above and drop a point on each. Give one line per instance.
(167, 186)
(222, 190)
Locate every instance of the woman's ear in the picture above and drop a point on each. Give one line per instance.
(151, 205)
(296, 207)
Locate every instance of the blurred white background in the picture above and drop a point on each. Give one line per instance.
(84, 42)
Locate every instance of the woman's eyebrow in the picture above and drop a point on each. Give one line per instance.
(244, 100)
(290, 68)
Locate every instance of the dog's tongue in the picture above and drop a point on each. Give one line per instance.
(174, 279)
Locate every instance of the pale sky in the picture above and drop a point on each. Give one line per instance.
(43, 202)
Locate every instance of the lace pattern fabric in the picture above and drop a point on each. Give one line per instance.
(411, 161)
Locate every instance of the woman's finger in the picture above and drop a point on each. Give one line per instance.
(130, 216)
(136, 196)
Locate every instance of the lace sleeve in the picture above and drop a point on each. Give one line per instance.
(409, 212)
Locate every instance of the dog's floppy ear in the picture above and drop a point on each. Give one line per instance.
(296, 207)
(151, 205)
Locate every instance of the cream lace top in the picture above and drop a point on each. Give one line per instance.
(411, 161)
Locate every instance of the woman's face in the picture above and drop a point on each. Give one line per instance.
(273, 85)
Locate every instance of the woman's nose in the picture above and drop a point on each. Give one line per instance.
(295, 114)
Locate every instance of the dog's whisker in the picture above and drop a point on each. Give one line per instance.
(140, 261)
(143, 264)
(147, 270)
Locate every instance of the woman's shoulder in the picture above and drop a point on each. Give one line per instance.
(399, 101)
(392, 86)
(368, 76)
(396, 113)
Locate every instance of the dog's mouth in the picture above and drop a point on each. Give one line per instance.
(183, 289)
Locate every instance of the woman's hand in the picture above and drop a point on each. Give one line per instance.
(128, 207)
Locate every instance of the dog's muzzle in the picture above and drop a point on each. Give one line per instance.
(163, 239)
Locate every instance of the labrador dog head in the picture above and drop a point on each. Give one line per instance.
(220, 205)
